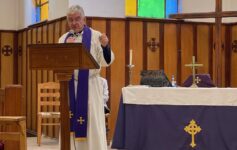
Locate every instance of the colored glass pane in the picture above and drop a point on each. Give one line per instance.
(37, 19)
(151, 8)
(44, 11)
(130, 7)
(171, 7)
(44, 1)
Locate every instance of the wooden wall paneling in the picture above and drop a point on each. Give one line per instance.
(7, 58)
(45, 34)
(57, 34)
(117, 70)
(50, 33)
(28, 87)
(34, 86)
(19, 57)
(186, 50)
(24, 70)
(214, 57)
(170, 50)
(40, 40)
(210, 40)
(233, 58)
(203, 48)
(228, 49)
(0, 58)
(100, 25)
(64, 26)
(136, 44)
(222, 58)
(153, 56)
(45, 72)
(51, 37)
(223, 55)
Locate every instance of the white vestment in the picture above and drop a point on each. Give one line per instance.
(96, 132)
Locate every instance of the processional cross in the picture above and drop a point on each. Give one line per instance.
(193, 65)
(218, 15)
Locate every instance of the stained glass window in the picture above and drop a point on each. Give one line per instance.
(41, 9)
(151, 8)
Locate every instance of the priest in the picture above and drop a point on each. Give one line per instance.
(87, 119)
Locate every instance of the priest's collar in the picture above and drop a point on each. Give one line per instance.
(73, 33)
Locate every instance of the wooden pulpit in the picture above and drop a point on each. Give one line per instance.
(62, 59)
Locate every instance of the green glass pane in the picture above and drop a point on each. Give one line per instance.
(151, 8)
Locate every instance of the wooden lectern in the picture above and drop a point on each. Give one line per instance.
(62, 59)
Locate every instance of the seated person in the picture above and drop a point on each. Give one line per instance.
(105, 95)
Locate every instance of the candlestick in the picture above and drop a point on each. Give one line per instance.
(130, 57)
(130, 74)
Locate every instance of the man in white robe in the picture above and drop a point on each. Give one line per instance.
(100, 50)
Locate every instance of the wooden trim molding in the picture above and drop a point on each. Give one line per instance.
(179, 51)
(161, 45)
(145, 57)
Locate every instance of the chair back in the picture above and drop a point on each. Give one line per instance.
(48, 95)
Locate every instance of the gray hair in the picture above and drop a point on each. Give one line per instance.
(76, 8)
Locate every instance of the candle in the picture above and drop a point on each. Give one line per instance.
(130, 57)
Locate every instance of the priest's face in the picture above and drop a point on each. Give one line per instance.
(76, 21)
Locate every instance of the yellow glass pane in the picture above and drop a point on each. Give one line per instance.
(43, 1)
(131, 8)
(44, 12)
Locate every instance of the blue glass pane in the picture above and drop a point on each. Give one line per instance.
(171, 7)
(37, 14)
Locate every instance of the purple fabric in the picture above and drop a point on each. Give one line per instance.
(205, 81)
(161, 127)
(1, 146)
(79, 102)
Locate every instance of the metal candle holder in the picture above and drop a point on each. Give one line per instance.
(130, 66)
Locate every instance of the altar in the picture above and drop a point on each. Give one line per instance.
(176, 119)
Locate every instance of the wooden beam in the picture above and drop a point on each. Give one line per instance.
(204, 15)
(193, 15)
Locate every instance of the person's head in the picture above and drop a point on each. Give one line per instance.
(76, 18)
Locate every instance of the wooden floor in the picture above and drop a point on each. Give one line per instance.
(47, 144)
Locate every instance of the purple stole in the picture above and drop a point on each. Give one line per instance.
(79, 103)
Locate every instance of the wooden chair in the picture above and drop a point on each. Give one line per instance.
(48, 95)
(20, 135)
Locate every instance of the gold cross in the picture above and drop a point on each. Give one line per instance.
(192, 129)
(70, 114)
(81, 120)
(193, 65)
